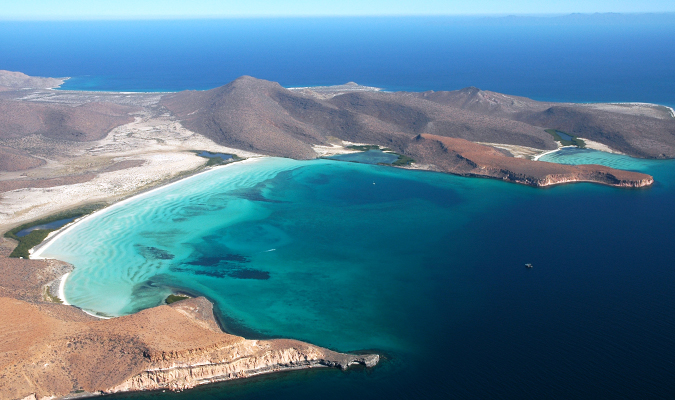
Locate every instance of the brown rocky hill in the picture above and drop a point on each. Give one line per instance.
(10, 80)
(16, 160)
(90, 121)
(244, 114)
(262, 116)
(646, 131)
(636, 135)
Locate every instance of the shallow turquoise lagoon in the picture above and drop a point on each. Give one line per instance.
(425, 268)
(321, 250)
(576, 156)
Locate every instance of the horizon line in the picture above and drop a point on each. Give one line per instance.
(306, 16)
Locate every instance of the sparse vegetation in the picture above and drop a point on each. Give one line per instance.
(52, 298)
(402, 160)
(37, 236)
(575, 141)
(28, 242)
(363, 147)
(175, 297)
(216, 160)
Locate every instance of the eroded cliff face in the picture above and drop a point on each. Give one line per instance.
(245, 359)
(465, 158)
(52, 351)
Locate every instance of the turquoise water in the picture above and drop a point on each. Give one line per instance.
(575, 156)
(283, 247)
(425, 268)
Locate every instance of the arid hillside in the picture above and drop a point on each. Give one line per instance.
(12, 160)
(262, 116)
(640, 130)
(90, 121)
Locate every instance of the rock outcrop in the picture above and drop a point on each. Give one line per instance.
(465, 158)
(241, 360)
(167, 347)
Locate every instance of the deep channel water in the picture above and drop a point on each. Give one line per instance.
(426, 268)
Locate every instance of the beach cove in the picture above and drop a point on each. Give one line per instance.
(271, 275)
(447, 302)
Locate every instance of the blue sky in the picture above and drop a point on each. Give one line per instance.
(142, 9)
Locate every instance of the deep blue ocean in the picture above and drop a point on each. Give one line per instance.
(424, 268)
(574, 58)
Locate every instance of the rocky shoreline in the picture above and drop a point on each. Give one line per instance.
(56, 351)
(266, 357)
(465, 158)
(71, 354)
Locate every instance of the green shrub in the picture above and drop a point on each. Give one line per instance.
(574, 142)
(37, 236)
(363, 147)
(403, 160)
(578, 142)
(28, 242)
(215, 160)
(175, 297)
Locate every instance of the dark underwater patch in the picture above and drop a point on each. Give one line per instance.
(215, 261)
(253, 194)
(236, 273)
(227, 266)
(153, 253)
(248, 273)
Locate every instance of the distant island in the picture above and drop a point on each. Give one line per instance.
(61, 150)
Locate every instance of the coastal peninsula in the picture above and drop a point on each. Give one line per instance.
(52, 350)
(62, 149)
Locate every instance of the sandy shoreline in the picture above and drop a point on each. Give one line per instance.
(36, 252)
(538, 156)
(590, 144)
(151, 150)
(62, 285)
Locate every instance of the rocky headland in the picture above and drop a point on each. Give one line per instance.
(50, 350)
(465, 158)
(10, 80)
